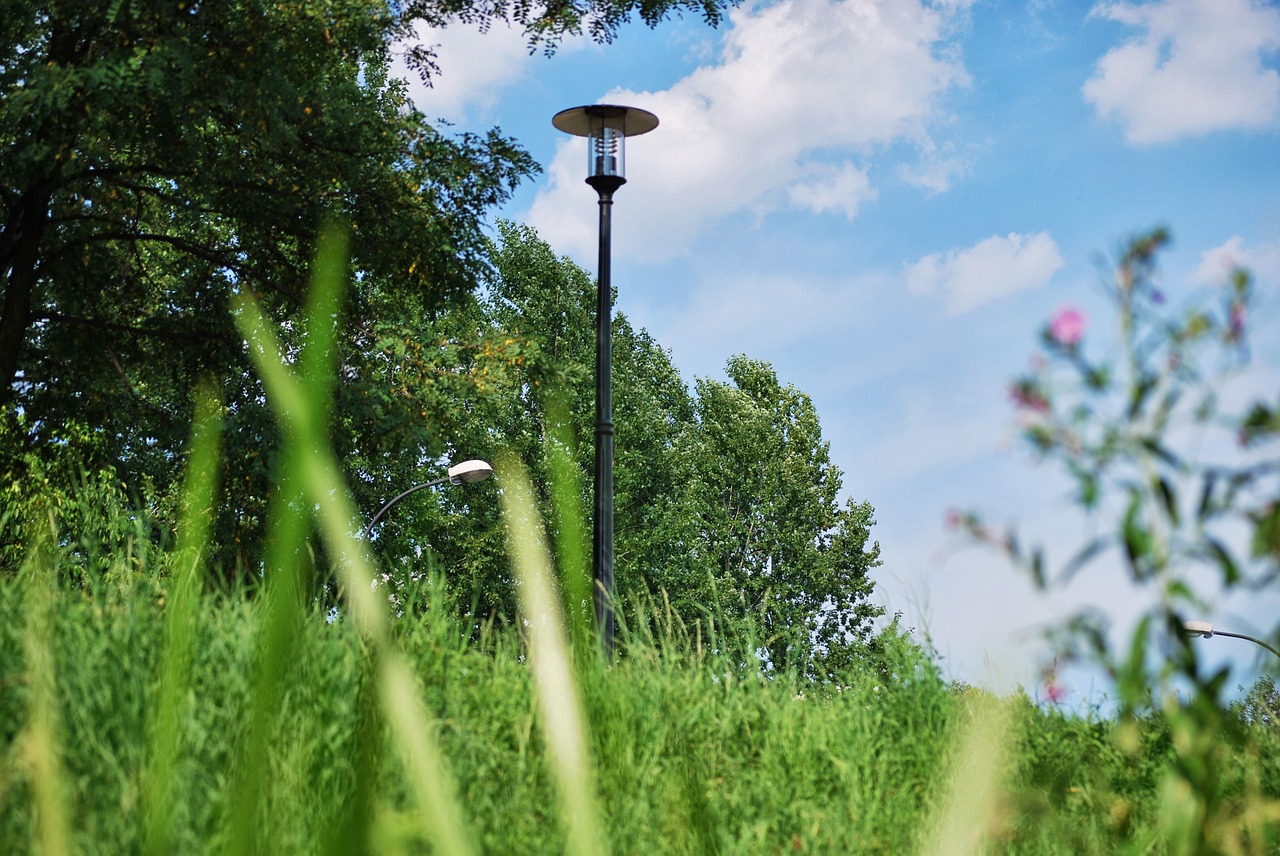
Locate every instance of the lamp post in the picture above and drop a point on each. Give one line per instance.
(1205, 629)
(606, 127)
(463, 473)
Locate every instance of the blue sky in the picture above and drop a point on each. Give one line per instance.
(886, 200)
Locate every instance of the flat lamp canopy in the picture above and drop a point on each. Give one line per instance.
(585, 121)
(1198, 628)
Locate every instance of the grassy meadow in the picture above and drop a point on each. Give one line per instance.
(688, 749)
(140, 715)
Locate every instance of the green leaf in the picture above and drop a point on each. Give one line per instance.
(1155, 447)
(1136, 537)
(1169, 498)
(1266, 534)
(1082, 558)
(1089, 490)
(1037, 569)
(1220, 554)
(1205, 508)
(1147, 382)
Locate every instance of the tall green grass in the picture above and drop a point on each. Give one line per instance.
(141, 711)
(683, 751)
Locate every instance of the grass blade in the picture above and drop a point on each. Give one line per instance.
(563, 723)
(301, 418)
(40, 750)
(180, 623)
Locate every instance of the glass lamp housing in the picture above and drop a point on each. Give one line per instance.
(606, 127)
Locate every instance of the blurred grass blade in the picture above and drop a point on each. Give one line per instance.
(39, 745)
(570, 528)
(199, 490)
(280, 616)
(972, 811)
(563, 723)
(302, 422)
(282, 608)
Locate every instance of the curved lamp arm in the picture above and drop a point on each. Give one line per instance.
(1205, 629)
(465, 472)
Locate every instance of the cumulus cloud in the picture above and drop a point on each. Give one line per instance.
(1216, 265)
(771, 312)
(1198, 66)
(475, 67)
(936, 168)
(802, 95)
(995, 267)
(839, 189)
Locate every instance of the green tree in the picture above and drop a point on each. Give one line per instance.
(765, 533)
(726, 500)
(157, 156)
(523, 363)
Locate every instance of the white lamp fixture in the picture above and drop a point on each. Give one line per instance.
(1198, 628)
(1205, 629)
(469, 472)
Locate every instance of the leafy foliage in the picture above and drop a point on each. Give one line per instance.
(159, 157)
(176, 718)
(726, 500)
(763, 528)
(1149, 444)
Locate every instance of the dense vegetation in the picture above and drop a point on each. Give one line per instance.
(692, 747)
(145, 712)
(162, 159)
(247, 296)
(158, 157)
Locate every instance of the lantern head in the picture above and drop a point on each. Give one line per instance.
(606, 127)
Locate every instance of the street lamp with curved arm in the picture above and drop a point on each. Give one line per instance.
(1206, 629)
(463, 473)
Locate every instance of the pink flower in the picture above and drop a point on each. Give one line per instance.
(1054, 691)
(1068, 325)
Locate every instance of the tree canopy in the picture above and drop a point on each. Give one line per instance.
(157, 156)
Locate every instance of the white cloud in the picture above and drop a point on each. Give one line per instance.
(916, 447)
(840, 189)
(766, 314)
(1197, 68)
(803, 91)
(989, 269)
(936, 168)
(474, 66)
(1263, 261)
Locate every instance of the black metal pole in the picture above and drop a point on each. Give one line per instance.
(602, 520)
(1248, 638)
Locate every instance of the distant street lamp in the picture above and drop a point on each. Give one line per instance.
(1205, 629)
(606, 127)
(463, 473)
